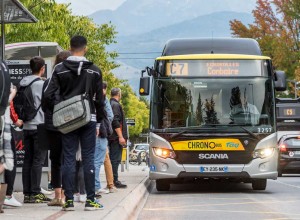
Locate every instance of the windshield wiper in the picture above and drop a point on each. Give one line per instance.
(250, 132)
(177, 134)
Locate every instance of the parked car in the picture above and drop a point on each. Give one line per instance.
(139, 153)
(289, 158)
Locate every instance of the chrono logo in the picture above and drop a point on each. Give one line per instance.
(213, 156)
(203, 145)
(214, 144)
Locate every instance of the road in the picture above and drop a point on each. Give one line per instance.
(224, 200)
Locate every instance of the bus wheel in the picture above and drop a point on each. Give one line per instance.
(259, 184)
(162, 185)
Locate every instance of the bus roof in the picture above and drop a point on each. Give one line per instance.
(214, 57)
(212, 46)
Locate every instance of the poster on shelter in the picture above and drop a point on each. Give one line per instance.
(18, 69)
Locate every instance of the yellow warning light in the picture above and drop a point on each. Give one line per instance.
(142, 90)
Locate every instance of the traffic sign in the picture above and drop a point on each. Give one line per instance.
(130, 121)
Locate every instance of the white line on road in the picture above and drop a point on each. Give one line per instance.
(223, 204)
(217, 210)
(280, 182)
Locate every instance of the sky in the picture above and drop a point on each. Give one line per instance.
(87, 7)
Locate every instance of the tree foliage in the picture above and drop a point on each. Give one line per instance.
(276, 28)
(58, 24)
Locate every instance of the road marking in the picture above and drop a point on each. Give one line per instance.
(225, 204)
(278, 181)
(216, 210)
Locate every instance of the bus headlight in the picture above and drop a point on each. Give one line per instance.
(263, 153)
(164, 153)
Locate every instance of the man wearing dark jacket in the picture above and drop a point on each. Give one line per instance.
(118, 139)
(72, 77)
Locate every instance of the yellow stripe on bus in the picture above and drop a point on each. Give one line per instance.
(214, 57)
(209, 145)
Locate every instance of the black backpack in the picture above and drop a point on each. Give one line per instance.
(4, 87)
(24, 102)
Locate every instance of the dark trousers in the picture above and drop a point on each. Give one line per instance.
(33, 163)
(79, 179)
(87, 137)
(10, 176)
(55, 142)
(115, 154)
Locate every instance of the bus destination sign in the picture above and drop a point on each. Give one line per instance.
(214, 68)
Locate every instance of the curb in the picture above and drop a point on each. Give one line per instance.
(130, 206)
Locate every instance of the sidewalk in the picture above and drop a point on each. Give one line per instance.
(117, 206)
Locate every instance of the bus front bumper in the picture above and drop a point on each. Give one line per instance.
(256, 169)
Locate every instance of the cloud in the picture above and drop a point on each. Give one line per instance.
(87, 7)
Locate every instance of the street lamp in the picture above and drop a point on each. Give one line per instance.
(296, 89)
(296, 83)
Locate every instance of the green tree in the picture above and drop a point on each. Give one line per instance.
(276, 28)
(211, 114)
(57, 24)
(199, 115)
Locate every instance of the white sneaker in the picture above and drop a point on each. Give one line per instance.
(102, 191)
(112, 189)
(76, 197)
(45, 192)
(11, 201)
(82, 198)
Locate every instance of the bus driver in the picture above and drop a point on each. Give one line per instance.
(242, 112)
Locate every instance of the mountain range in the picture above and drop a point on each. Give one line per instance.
(140, 16)
(144, 26)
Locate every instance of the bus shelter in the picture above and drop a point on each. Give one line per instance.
(12, 11)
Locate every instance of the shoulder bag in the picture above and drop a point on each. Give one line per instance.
(72, 113)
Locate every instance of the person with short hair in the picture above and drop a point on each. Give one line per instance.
(34, 156)
(118, 139)
(55, 141)
(76, 76)
(102, 143)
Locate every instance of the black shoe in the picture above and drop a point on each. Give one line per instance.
(92, 205)
(41, 198)
(28, 199)
(119, 185)
(68, 206)
(98, 195)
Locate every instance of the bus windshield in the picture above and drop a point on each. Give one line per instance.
(205, 102)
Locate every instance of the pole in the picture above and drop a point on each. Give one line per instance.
(2, 57)
(2, 31)
(127, 150)
(296, 83)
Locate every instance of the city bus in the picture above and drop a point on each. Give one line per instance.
(212, 112)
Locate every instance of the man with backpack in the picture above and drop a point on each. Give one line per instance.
(76, 76)
(27, 104)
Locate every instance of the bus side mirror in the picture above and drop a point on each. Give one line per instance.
(280, 83)
(144, 85)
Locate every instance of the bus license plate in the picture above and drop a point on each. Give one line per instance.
(223, 169)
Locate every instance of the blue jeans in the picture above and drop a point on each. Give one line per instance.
(100, 151)
(86, 135)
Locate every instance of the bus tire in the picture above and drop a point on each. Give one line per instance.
(162, 185)
(259, 184)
